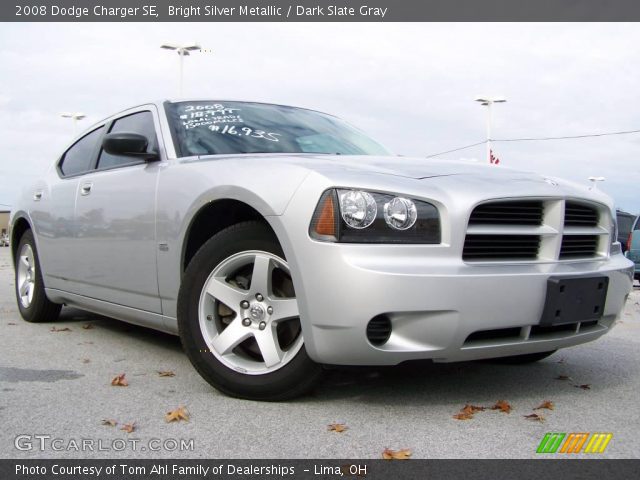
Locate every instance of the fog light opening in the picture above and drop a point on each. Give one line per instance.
(379, 330)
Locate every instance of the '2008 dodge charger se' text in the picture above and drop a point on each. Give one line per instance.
(275, 239)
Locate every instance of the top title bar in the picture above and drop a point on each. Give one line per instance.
(320, 11)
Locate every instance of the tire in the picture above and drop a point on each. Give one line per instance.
(522, 359)
(33, 304)
(251, 346)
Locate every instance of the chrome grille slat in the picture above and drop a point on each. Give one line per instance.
(522, 230)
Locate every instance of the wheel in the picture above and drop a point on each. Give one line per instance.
(521, 359)
(238, 317)
(32, 300)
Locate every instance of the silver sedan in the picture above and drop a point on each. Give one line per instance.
(275, 240)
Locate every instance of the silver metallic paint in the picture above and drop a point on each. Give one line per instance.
(433, 297)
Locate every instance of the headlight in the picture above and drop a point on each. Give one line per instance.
(357, 216)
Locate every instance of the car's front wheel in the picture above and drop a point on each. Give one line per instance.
(238, 317)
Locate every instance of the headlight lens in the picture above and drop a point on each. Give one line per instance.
(358, 208)
(357, 216)
(400, 213)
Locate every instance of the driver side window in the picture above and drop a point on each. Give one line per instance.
(141, 123)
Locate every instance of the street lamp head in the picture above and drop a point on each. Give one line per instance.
(75, 116)
(487, 100)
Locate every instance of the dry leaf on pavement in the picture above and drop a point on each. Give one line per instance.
(547, 404)
(56, 329)
(563, 377)
(584, 386)
(337, 427)
(129, 427)
(166, 373)
(119, 381)
(502, 405)
(389, 454)
(176, 415)
(467, 412)
(109, 422)
(535, 417)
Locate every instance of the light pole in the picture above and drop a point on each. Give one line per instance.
(183, 51)
(75, 116)
(488, 102)
(594, 182)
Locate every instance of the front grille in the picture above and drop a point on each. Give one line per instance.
(501, 247)
(580, 215)
(578, 246)
(520, 212)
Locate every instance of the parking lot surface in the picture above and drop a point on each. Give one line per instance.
(55, 382)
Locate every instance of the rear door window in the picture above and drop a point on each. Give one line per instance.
(78, 158)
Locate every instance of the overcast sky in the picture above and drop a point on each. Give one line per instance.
(410, 86)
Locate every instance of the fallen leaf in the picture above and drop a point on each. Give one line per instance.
(176, 415)
(166, 373)
(87, 326)
(337, 427)
(584, 386)
(467, 412)
(563, 377)
(119, 381)
(55, 329)
(535, 417)
(86, 360)
(129, 427)
(11, 323)
(389, 454)
(109, 422)
(502, 405)
(548, 404)
(463, 416)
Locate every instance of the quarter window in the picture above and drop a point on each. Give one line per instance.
(141, 123)
(78, 158)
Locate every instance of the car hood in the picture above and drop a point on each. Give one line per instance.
(409, 167)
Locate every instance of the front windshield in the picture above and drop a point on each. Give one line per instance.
(210, 128)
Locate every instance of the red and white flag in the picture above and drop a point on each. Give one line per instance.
(493, 160)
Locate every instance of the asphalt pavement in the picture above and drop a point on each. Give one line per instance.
(55, 392)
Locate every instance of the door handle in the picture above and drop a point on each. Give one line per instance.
(85, 189)
(37, 195)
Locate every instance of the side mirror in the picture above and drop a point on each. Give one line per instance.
(128, 145)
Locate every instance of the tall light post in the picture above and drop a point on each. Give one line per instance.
(594, 182)
(183, 51)
(488, 102)
(75, 116)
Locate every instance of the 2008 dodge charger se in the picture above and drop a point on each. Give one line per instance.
(275, 239)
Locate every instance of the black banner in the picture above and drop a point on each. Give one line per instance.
(121, 469)
(319, 10)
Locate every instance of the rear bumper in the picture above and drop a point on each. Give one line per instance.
(436, 303)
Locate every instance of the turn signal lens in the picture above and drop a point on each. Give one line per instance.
(324, 221)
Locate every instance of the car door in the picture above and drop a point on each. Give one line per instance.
(115, 245)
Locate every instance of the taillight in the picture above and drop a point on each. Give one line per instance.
(629, 240)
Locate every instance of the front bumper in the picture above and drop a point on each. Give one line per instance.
(434, 306)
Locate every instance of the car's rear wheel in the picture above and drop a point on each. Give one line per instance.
(32, 301)
(522, 359)
(238, 317)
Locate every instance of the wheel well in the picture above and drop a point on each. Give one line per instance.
(17, 231)
(212, 219)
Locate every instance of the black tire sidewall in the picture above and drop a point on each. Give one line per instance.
(37, 311)
(285, 382)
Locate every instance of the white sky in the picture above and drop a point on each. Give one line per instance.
(410, 86)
